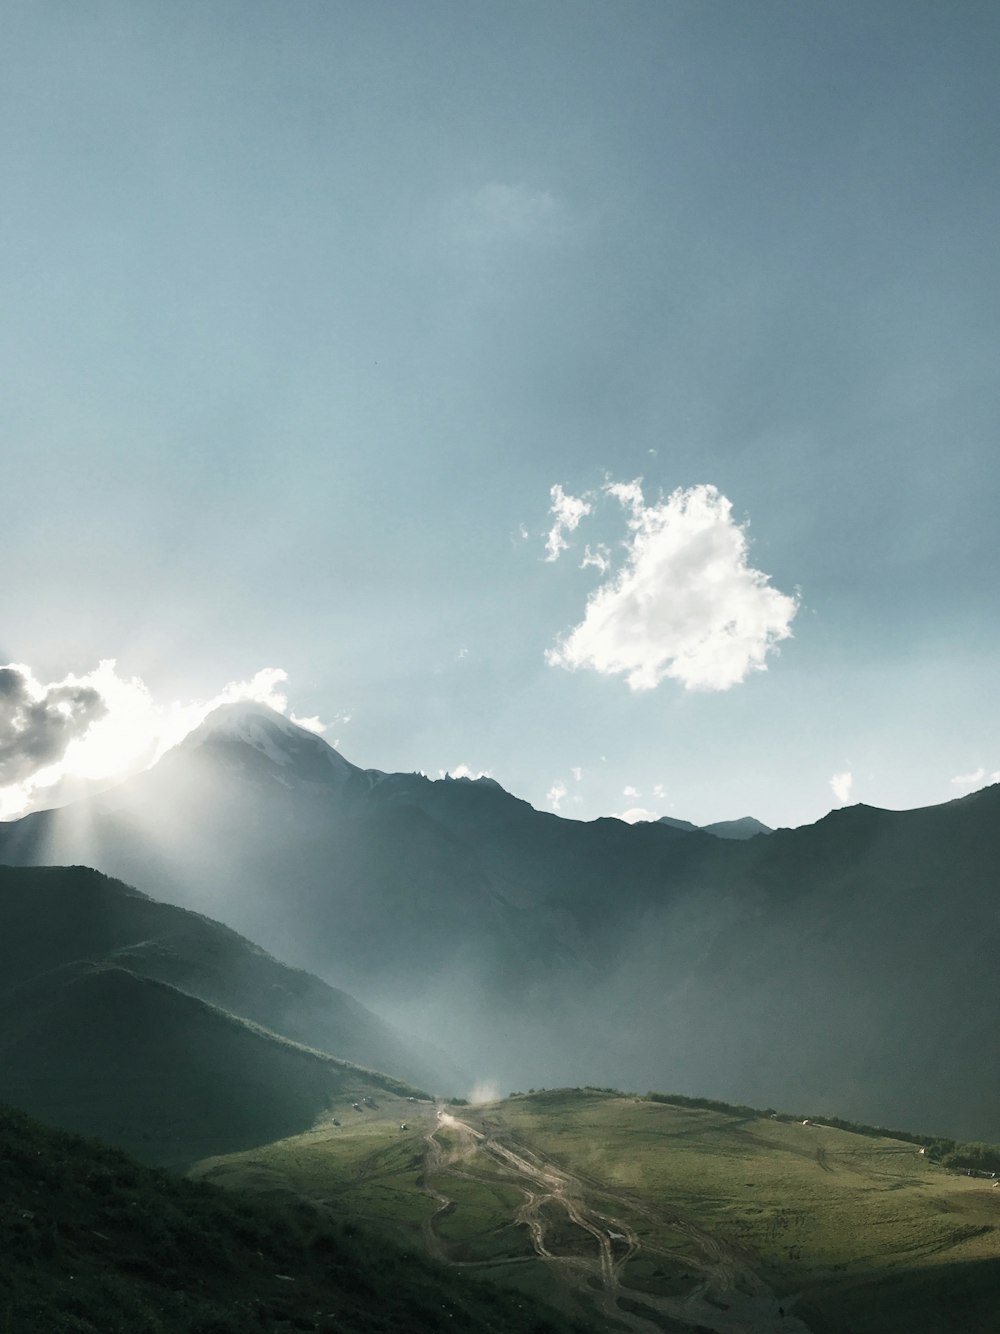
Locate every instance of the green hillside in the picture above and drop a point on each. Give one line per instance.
(94, 1243)
(99, 1050)
(655, 1215)
(52, 916)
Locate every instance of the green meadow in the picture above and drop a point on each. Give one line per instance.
(698, 1217)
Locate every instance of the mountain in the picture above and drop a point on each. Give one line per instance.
(676, 824)
(844, 967)
(746, 827)
(164, 1031)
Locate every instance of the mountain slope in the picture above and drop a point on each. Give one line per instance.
(844, 966)
(745, 827)
(161, 1030)
(104, 1052)
(55, 916)
(95, 1243)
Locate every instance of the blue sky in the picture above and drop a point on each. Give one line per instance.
(309, 307)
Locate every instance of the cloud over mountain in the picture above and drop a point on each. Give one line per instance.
(101, 725)
(38, 722)
(686, 605)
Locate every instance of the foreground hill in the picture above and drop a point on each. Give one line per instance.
(94, 1243)
(846, 966)
(139, 1022)
(647, 1214)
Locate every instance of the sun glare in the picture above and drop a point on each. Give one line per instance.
(133, 733)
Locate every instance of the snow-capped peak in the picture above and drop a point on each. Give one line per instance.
(283, 744)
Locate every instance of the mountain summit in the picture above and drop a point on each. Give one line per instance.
(266, 744)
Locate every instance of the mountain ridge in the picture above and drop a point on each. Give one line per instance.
(790, 968)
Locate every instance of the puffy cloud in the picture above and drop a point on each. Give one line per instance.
(630, 792)
(111, 726)
(979, 778)
(685, 605)
(556, 794)
(577, 772)
(311, 724)
(636, 815)
(568, 511)
(38, 723)
(841, 785)
(599, 557)
(463, 771)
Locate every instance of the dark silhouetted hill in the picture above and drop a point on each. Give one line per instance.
(95, 1243)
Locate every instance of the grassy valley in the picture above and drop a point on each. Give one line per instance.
(646, 1215)
(95, 1243)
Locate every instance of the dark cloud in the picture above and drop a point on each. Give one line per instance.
(36, 729)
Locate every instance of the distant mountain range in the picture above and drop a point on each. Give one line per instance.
(164, 1031)
(844, 967)
(746, 827)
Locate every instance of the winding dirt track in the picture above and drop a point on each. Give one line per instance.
(729, 1297)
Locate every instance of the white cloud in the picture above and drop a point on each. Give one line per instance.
(311, 724)
(463, 771)
(599, 557)
(635, 815)
(630, 792)
(568, 511)
(134, 730)
(685, 605)
(577, 773)
(841, 785)
(556, 794)
(659, 790)
(980, 778)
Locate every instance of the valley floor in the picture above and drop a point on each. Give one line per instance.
(643, 1216)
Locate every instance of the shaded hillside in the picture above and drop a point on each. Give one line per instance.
(845, 966)
(94, 1243)
(101, 1051)
(52, 916)
(861, 977)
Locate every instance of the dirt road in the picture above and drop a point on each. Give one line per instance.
(579, 1229)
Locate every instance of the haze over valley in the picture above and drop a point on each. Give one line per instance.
(499, 751)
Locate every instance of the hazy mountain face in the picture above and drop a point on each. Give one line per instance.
(162, 1030)
(843, 967)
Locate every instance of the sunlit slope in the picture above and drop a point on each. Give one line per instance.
(649, 1212)
(92, 1242)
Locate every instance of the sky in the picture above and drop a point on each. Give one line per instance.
(603, 396)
